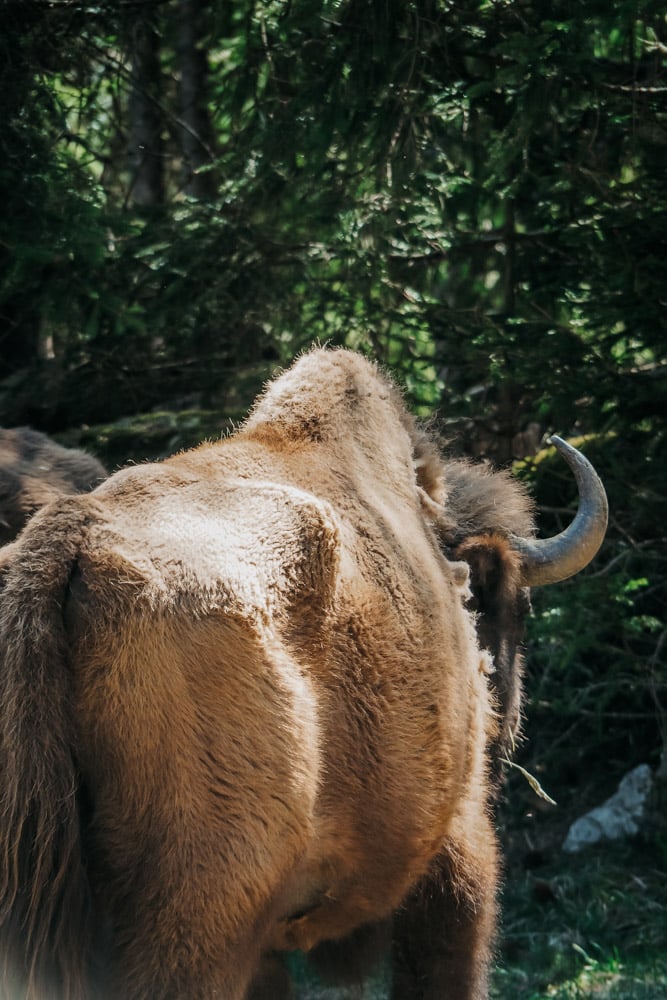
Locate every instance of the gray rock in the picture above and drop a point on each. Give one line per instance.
(620, 816)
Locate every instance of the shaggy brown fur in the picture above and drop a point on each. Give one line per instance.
(480, 510)
(244, 708)
(33, 471)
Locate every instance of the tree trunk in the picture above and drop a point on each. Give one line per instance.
(196, 134)
(145, 154)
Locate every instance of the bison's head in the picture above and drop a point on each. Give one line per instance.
(485, 518)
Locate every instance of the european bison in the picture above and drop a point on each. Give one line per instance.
(33, 470)
(245, 706)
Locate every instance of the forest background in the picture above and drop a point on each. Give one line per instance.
(474, 193)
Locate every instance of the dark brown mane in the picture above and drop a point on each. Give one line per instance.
(481, 499)
(474, 497)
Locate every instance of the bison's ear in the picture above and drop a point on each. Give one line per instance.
(495, 573)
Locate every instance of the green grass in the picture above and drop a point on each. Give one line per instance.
(603, 979)
(593, 925)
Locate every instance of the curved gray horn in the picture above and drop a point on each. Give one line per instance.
(550, 560)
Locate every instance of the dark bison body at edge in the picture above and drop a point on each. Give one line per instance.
(249, 698)
(33, 471)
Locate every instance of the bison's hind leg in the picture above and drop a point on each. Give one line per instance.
(272, 981)
(443, 933)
